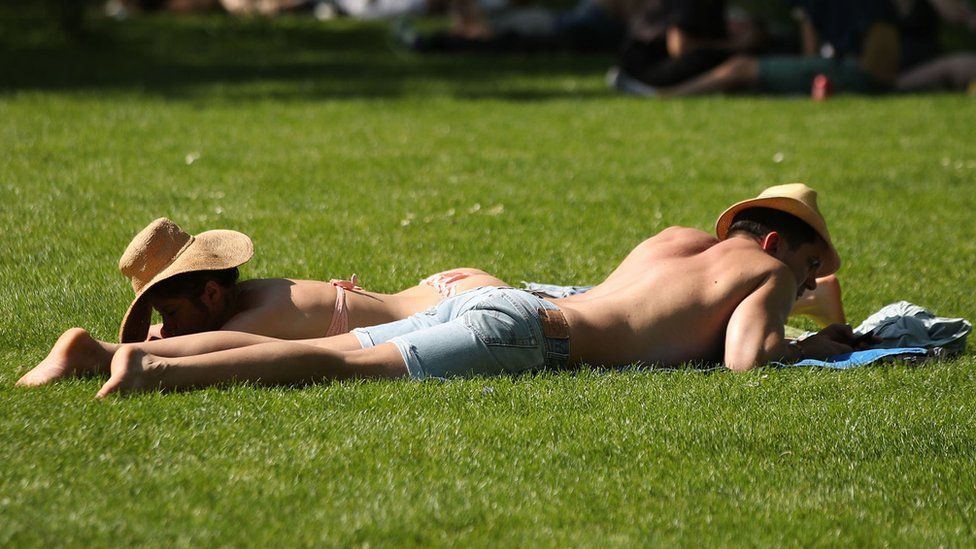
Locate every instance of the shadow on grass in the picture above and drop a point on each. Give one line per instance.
(288, 58)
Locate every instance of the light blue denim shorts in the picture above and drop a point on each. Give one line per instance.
(485, 331)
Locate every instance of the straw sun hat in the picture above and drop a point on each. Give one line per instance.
(795, 199)
(163, 250)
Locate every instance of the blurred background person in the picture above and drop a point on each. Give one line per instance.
(590, 26)
(854, 43)
(924, 65)
(671, 41)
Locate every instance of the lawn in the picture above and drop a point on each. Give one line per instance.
(339, 155)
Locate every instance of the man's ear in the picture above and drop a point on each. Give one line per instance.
(213, 294)
(771, 242)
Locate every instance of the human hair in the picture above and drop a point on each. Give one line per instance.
(191, 284)
(759, 222)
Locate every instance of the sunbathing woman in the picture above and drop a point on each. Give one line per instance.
(192, 282)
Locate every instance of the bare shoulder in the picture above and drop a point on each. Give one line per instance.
(685, 233)
(768, 273)
(678, 240)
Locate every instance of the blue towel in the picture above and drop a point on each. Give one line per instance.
(861, 358)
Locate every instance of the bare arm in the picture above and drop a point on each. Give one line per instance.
(754, 334)
(809, 39)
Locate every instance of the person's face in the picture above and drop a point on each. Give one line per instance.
(184, 315)
(804, 262)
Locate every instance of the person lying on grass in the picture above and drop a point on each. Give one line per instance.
(192, 282)
(681, 296)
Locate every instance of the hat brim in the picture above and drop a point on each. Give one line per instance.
(209, 251)
(830, 262)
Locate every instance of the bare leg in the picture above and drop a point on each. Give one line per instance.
(76, 352)
(738, 72)
(822, 304)
(279, 362)
(951, 72)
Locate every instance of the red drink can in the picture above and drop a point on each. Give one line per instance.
(822, 88)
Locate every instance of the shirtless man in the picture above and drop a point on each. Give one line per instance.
(681, 296)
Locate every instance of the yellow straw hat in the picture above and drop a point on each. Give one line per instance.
(163, 250)
(795, 199)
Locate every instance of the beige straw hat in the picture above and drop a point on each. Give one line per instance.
(163, 250)
(795, 199)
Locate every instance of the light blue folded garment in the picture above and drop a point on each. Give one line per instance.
(860, 358)
(554, 290)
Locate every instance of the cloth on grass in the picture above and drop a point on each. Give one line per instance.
(847, 361)
(903, 324)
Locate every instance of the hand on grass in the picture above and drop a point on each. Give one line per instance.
(833, 340)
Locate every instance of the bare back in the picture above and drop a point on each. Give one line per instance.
(670, 300)
(304, 309)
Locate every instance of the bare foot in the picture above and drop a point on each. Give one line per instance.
(132, 370)
(824, 304)
(74, 353)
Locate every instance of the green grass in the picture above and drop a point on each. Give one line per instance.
(338, 156)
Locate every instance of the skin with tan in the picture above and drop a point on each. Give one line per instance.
(301, 309)
(294, 309)
(680, 296)
(279, 308)
(683, 296)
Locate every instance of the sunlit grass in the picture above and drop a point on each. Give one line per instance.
(339, 156)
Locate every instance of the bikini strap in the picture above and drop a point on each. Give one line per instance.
(351, 284)
(340, 315)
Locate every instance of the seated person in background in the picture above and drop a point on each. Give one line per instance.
(855, 44)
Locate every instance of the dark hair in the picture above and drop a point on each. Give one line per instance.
(759, 222)
(191, 284)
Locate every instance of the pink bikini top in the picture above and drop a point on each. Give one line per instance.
(340, 315)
